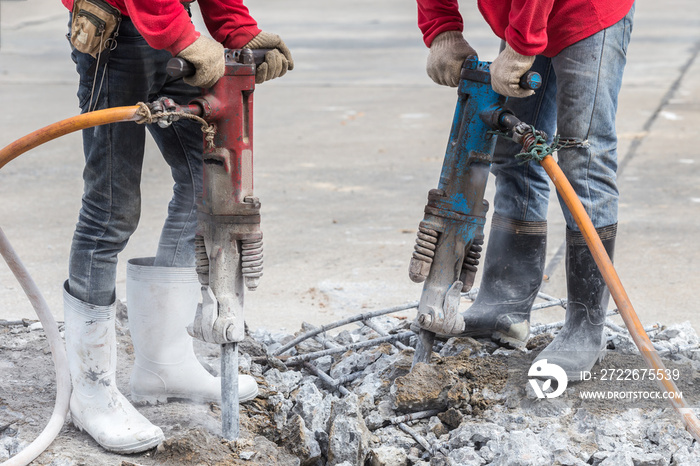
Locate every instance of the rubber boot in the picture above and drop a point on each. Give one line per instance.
(161, 302)
(512, 276)
(581, 343)
(96, 405)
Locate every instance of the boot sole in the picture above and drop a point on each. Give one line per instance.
(495, 335)
(165, 397)
(127, 449)
(498, 336)
(508, 341)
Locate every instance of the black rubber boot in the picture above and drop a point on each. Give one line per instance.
(581, 343)
(512, 277)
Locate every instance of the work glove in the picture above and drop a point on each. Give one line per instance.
(447, 54)
(506, 71)
(277, 61)
(207, 56)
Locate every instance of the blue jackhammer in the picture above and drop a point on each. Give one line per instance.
(448, 245)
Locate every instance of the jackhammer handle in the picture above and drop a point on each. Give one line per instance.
(180, 68)
(531, 80)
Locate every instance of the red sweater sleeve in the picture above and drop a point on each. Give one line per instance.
(163, 23)
(229, 22)
(524, 26)
(534, 27)
(437, 16)
(166, 25)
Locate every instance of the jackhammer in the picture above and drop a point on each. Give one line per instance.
(450, 237)
(228, 243)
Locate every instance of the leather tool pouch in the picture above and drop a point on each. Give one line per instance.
(94, 23)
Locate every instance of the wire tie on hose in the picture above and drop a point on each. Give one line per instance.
(539, 148)
(144, 112)
(147, 117)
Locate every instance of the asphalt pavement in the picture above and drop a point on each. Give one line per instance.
(346, 148)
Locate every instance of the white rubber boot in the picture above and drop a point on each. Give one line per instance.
(96, 405)
(161, 302)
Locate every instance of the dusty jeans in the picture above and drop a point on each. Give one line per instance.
(578, 101)
(111, 203)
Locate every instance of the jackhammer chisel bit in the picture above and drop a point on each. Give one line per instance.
(229, 240)
(450, 236)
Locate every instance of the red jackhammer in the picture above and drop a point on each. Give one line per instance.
(229, 240)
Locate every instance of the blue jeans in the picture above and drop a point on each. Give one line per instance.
(111, 203)
(578, 101)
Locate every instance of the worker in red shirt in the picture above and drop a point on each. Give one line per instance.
(120, 67)
(579, 48)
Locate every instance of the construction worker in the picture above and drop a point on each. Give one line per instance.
(579, 48)
(162, 292)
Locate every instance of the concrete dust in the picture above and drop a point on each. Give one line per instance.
(192, 431)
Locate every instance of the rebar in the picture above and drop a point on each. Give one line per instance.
(432, 449)
(677, 349)
(15, 323)
(414, 416)
(383, 333)
(350, 377)
(557, 302)
(541, 328)
(327, 379)
(349, 320)
(325, 342)
(360, 344)
(417, 437)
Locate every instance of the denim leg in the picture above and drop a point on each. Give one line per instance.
(181, 145)
(589, 76)
(522, 189)
(111, 201)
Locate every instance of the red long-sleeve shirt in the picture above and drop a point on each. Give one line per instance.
(166, 25)
(531, 27)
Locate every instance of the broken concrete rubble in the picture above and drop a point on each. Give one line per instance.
(348, 436)
(472, 405)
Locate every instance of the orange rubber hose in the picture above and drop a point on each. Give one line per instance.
(63, 384)
(63, 127)
(624, 305)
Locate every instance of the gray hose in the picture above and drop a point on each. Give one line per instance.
(58, 352)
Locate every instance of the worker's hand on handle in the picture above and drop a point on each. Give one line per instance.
(447, 54)
(207, 56)
(277, 61)
(506, 71)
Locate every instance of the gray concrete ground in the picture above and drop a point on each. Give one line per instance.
(347, 147)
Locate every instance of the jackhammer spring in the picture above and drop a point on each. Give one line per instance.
(201, 260)
(423, 253)
(471, 263)
(252, 261)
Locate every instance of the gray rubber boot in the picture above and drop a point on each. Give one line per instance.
(512, 277)
(581, 343)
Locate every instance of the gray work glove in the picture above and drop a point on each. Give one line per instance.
(506, 71)
(447, 54)
(277, 61)
(207, 56)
